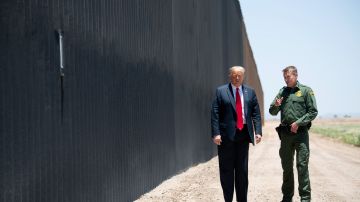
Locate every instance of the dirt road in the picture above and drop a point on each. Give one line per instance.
(334, 174)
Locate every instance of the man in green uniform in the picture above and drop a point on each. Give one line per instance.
(297, 105)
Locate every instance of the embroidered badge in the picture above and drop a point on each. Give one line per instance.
(298, 93)
(312, 93)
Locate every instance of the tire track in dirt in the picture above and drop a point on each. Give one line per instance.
(334, 168)
(334, 173)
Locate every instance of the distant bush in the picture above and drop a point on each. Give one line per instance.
(348, 133)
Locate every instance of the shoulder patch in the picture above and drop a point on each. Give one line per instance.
(312, 93)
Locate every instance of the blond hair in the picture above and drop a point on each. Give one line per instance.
(234, 68)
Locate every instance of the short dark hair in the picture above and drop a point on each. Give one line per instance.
(291, 69)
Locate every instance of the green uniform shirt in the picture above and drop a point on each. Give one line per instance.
(298, 105)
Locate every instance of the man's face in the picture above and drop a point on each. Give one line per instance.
(236, 77)
(290, 79)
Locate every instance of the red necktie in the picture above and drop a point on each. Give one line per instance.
(239, 123)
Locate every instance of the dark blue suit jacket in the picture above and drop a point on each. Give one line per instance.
(223, 114)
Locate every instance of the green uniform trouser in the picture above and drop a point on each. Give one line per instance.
(290, 143)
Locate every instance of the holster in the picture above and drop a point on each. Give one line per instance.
(278, 132)
(280, 129)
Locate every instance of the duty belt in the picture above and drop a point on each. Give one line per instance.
(287, 128)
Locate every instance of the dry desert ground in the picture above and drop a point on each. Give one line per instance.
(334, 173)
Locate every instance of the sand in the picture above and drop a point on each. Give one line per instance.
(334, 173)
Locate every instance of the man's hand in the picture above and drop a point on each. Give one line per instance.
(258, 138)
(294, 127)
(279, 101)
(217, 139)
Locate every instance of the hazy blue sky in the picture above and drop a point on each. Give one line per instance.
(320, 37)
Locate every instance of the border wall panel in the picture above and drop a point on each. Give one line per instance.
(133, 108)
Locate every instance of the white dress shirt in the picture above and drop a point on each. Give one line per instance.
(242, 100)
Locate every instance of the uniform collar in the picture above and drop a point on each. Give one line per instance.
(297, 86)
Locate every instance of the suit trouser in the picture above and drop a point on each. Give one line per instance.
(290, 143)
(233, 163)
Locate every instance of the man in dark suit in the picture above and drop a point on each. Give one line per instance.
(234, 117)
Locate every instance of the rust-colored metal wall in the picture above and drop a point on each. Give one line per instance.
(252, 75)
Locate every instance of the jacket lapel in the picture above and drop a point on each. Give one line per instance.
(246, 99)
(231, 95)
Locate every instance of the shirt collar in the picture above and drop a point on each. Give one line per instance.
(297, 86)
(234, 88)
